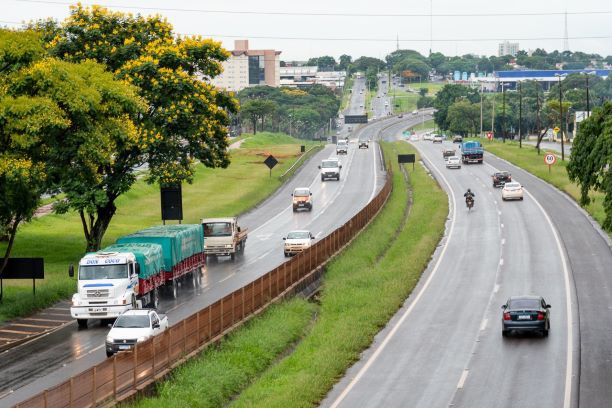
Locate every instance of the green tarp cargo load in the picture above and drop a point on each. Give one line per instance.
(148, 255)
(178, 242)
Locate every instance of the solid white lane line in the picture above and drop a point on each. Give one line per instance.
(410, 308)
(501, 261)
(503, 241)
(567, 396)
(462, 379)
(502, 225)
(496, 288)
(227, 277)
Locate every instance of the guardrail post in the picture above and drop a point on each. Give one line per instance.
(184, 336)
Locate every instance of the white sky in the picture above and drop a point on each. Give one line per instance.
(452, 35)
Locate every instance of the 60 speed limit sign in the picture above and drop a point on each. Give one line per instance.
(550, 159)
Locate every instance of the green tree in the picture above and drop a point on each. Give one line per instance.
(589, 164)
(255, 110)
(344, 62)
(186, 117)
(464, 117)
(447, 96)
(425, 102)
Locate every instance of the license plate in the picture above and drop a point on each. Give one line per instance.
(97, 309)
(301, 204)
(524, 317)
(124, 347)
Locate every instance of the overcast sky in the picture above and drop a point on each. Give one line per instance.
(369, 28)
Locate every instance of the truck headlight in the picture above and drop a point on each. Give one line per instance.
(228, 246)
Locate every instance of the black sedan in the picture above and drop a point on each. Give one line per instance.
(526, 313)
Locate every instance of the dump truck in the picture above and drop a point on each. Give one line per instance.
(224, 237)
(130, 273)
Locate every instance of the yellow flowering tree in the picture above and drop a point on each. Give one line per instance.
(186, 117)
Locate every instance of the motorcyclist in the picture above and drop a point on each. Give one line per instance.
(469, 195)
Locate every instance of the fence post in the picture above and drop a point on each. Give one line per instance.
(221, 316)
(242, 300)
(115, 376)
(135, 359)
(184, 336)
(71, 385)
(93, 391)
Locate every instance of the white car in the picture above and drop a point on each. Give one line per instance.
(414, 138)
(453, 161)
(512, 191)
(428, 136)
(437, 139)
(330, 168)
(297, 241)
(134, 326)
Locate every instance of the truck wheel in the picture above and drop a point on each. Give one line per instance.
(322, 178)
(242, 244)
(233, 256)
(172, 289)
(82, 323)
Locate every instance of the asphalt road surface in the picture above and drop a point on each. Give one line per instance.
(32, 367)
(444, 347)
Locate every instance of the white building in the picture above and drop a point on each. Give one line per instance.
(300, 77)
(247, 67)
(508, 48)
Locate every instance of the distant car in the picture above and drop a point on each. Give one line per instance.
(415, 112)
(526, 314)
(373, 117)
(400, 116)
(342, 146)
(512, 191)
(302, 198)
(447, 152)
(361, 105)
(414, 138)
(437, 139)
(364, 143)
(501, 177)
(453, 161)
(428, 136)
(297, 241)
(457, 139)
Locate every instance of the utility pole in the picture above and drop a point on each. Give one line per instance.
(493, 112)
(561, 118)
(503, 114)
(481, 109)
(520, 115)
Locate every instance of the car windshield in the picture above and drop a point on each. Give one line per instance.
(132, 321)
(100, 272)
(217, 229)
(329, 164)
(301, 192)
(342, 143)
(298, 235)
(524, 304)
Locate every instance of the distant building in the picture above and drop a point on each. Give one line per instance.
(247, 67)
(305, 76)
(546, 78)
(508, 48)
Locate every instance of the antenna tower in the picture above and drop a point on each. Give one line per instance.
(565, 36)
(397, 42)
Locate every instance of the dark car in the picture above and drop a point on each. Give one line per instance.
(457, 139)
(526, 314)
(500, 178)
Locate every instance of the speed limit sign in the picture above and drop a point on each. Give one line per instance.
(550, 159)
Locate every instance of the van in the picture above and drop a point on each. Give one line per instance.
(330, 169)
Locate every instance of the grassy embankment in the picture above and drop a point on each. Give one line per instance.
(428, 124)
(214, 192)
(406, 100)
(346, 94)
(528, 159)
(388, 257)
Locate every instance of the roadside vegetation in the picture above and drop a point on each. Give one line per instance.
(387, 257)
(214, 193)
(407, 101)
(346, 94)
(427, 125)
(528, 159)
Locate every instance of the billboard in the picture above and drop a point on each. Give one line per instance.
(355, 119)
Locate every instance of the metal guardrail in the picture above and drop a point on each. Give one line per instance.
(282, 176)
(125, 374)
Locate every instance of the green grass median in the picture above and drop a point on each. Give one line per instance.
(528, 159)
(387, 257)
(214, 193)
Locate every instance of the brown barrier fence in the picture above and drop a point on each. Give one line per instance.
(125, 374)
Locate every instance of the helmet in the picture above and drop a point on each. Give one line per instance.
(469, 191)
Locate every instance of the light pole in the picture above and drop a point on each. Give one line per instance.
(588, 107)
(520, 115)
(561, 116)
(481, 109)
(493, 112)
(503, 113)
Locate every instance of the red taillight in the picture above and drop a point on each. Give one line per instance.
(507, 316)
(540, 316)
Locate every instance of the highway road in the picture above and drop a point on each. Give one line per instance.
(30, 368)
(444, 347)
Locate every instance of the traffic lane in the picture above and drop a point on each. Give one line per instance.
(219, 280)
(523, 374)
(556, 147)
(410, 371)
(589, 255)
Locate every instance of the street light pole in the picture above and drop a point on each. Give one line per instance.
(587, 86)
(520, 115)
(561, 118)
(481, 109)
(503, 113)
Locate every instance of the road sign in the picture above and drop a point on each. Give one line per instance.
(550, 158)
(556, 130)
(270, 162)
(355, 119)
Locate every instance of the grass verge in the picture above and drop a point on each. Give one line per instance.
(222, 371)
(528, 159)
(406, 100)
(388, 258)
(346, 94)
(427, 125)
(214, 193)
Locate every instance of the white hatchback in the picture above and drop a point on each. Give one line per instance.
(453, 161)
(512, 191)
(297, 241)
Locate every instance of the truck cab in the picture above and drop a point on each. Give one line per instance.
(107, 286)
(330, 168)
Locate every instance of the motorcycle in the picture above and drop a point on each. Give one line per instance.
(469, 202)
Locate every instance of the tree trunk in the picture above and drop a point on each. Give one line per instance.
(9, 247)
(94, 232)
(255, 126)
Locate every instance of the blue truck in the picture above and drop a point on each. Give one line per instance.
(472, 152)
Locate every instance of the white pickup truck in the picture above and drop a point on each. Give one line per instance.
(134, 326)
